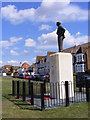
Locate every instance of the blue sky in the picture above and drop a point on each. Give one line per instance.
(29, 28)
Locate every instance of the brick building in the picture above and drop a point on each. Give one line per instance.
(80, 58)
(6, 67)
(25, 66)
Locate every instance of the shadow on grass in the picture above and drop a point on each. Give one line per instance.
(20, 103)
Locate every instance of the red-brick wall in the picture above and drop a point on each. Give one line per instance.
(88, 57)
(25, 65)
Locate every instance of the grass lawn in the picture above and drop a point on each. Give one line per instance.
(10, 110)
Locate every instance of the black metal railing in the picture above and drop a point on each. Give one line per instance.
(49, 95)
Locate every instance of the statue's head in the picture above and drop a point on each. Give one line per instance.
(58, 23)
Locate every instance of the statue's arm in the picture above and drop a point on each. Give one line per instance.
(63, 30)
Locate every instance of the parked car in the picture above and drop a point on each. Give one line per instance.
(46, 77)
(88, 77)
(83, 78)
(21, 76)
(31, 77)
(37, 77)
(27, 76)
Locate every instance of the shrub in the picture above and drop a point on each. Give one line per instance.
(74, 74)
(87, 72)
(9, 73)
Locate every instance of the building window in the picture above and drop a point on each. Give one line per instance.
(80, 58)
(74, 59)
(45, 60)
(84, 67)
(83, 57)
(76, 68)
(81, 70)
(77, 58)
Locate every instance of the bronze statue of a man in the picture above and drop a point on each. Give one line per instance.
(60, 33)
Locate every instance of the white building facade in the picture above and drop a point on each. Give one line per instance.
(42, 65)
(79, 58)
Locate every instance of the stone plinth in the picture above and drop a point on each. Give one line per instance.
(61, 70)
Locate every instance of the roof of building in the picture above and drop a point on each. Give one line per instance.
(72, 50)
(7, 66)
(84, 47)
(40, 57)
(75, 48)
(25, 65)
(49, 53)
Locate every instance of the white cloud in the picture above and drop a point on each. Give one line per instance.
(25, 51)
(15, 48)
(71, 40)
(11, 13)
(44, 27)
(30, 42)
(79, 0)
(37, 51)
(46, 12)
(1, 62)
(15, 39)
(78, 34)
(13, 62)
(14, 53)
(5, 43)
(12, 41)
(33, 60)
(50, 40)
(81, 39)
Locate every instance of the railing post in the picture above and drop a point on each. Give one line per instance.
(13, 87)
(80, 88)
(42, 96)
(80, 85)
(29, 86)
(87, 91)
(23, 90)
(67, 93)
(44, 86)
(32, 95)
(17, 89)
